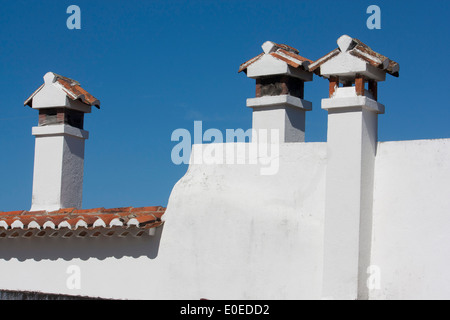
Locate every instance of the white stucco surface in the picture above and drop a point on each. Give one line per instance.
(58, 167)
(352, 136)
(244, 235)
(411, 238)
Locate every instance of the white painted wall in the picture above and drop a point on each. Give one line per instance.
(411, 233)
(232, 233)
(257, 237)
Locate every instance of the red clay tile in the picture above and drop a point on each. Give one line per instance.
(107, 218)
(26, 219)
(58, 219)
(89, 219)
(156, 215)
(145, 209)
(36, 213)
(42, 219)
(8, 220)
(63, 211)
(12, 213)
(295, 56)
(148, 217)
(96, 210)
(114, 210)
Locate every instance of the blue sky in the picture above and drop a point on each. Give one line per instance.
(160, 65)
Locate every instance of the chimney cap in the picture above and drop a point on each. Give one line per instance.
(71, 88)
(281, 52)
(351, 48)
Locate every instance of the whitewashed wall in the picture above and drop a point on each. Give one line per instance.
(249, 236)
(232, 233)
(411, 233)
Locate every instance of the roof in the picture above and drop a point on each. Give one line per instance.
(360, 50)
(81, 223)
(71, 87)
(281, 52)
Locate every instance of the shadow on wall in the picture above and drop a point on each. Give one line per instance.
(101, 247)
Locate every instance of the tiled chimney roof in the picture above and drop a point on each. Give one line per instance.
(72, 222)
(281, 52)
(362, 51)
(73, 90)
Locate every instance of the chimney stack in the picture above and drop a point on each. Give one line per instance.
(60, 138)
(352, 140)
(280, 73)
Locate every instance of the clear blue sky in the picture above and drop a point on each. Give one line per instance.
(159, 65)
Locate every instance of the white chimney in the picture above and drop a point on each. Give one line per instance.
(60, 138)
(352, 141)
(280, 74)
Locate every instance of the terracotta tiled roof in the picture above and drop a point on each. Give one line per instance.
(284, 53)
(361, 51)
(73, 90)
(81, 223)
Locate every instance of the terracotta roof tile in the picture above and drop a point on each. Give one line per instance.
(126, 209)
(147, 209)
(295, 56)
(76, 92)
(287, 48)
(15, 213)
(63, 211)
(90, 222)
(87, 211)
